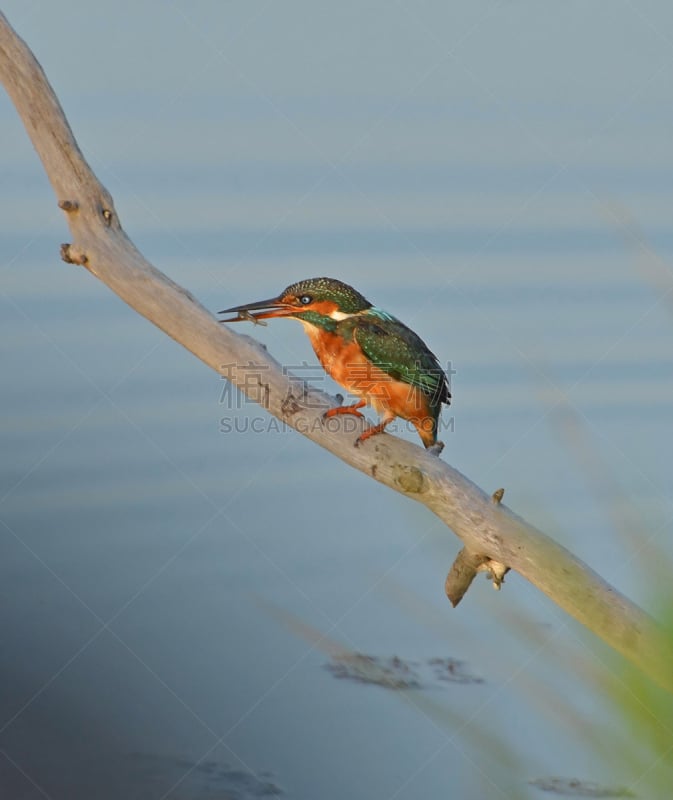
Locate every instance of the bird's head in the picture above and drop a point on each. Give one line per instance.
(314, 300)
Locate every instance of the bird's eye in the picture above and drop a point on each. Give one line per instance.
(305, 299)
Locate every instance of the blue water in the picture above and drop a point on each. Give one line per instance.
(171, 593)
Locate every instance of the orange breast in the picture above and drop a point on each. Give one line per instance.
(346, 363)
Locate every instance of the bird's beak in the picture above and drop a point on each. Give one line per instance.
(268, 308)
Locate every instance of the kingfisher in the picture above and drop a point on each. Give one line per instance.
(366, 350)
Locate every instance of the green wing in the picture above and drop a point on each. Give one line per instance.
(398, 351)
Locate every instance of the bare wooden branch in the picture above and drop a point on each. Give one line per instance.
(101, 246)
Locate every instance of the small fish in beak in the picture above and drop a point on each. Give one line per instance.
(267, 308)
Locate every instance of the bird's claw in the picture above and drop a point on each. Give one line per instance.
(341, 409)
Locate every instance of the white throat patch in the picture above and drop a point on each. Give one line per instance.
(338, 316)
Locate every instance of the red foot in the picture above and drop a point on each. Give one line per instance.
(351, 409)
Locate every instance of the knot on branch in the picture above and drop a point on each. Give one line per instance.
(70, 206)
(410, 479)
(497, 496)
(291, 405)
(73, 255)
(495, 572)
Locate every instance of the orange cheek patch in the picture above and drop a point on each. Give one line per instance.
(325, 307)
